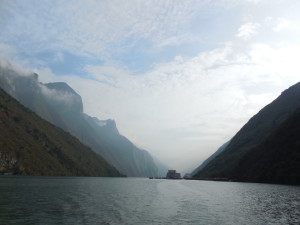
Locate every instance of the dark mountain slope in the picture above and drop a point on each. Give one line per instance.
(28, 91)
(30, 145)
(59, 104)
(275, 160)
(253, 133)
(218, 152)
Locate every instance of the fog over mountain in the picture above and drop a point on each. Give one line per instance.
(30, 145)
(179, 78)
(59, 104)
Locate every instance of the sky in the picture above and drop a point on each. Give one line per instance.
(180, 78)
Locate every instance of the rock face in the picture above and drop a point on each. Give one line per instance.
(30, 145)
(59, 104)
(7, 163)
(252, 137)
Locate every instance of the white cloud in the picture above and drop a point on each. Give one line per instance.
(282, 24)
(184, 106)
(95, 27)
(254, 1)
(248, 30)
(189, 106)
(66, 98)
(11, 70)
(7, 64)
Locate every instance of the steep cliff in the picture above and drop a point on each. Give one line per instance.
(253, 135)
(59, 104)
(30, 145)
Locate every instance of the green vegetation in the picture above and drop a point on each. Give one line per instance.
(30, 145)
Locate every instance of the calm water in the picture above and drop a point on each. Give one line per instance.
(52, 200)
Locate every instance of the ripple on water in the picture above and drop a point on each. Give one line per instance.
(50, 200)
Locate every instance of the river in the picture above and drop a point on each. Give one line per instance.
(82, 200)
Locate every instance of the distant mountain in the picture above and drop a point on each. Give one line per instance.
(162, 168)
(30, 145)
(218, 152)
(252, 135)
(59, 104)
(127, 156)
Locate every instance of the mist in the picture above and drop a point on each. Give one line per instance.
(177, 81)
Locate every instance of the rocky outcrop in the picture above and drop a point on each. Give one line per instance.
(7, 163)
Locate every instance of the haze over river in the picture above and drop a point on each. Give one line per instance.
(80, 200)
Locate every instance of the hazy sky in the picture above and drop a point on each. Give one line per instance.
(179, 77)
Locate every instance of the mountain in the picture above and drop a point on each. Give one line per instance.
(252, 135)
(59, 104)
(30, 145)
(129, 158)
(218, 152)
(275, 160)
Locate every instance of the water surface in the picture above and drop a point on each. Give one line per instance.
(77, 200)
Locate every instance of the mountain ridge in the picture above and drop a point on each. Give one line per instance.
(30, 145)
(253, 133)
(277, 158)
(59, 104)
(215, 154)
